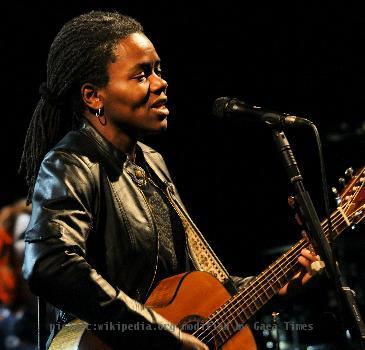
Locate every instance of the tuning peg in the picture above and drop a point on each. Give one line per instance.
(342, 181)
(358, 214)
(337, 196)
(349, 172)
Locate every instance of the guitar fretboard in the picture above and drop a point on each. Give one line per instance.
(235, 313)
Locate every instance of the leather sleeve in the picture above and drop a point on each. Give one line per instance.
(55, 265)
(241, 283)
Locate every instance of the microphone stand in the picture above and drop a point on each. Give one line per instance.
(345, 295)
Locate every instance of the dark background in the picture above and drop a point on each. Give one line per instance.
(304, 58)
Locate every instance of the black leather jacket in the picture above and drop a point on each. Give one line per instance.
(92, 244)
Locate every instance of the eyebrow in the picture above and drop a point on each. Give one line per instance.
(145, 64)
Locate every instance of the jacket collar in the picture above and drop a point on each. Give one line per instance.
(114, 156)
(103, 145)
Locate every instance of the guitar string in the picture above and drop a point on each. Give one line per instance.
(254, 300)
(296, 247)
(281, 258)
(284, 269)
(289, 256)
(257, 280)
(226, 320)
(250, 300)
(229, 322)
(231, 302)
(284, 256)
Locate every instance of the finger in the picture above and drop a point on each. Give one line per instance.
(306, 278)
(306, 263)
(307, 254)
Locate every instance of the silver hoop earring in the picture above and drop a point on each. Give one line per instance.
(100, 116)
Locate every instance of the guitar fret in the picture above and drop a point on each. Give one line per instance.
(229, 332)
(258, 300)
(222, 332)
(245, 314)
(230, 328)
(275, 279)
(217, 334)
(270, 278)
(281, 278)
(265, 291)
(249, 306)
(256, 303)
(260, 296)
(238, 316)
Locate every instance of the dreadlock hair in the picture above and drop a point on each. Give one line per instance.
(79, 54)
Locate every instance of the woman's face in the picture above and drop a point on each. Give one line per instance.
(134, 99)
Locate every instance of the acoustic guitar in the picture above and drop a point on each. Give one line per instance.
(199, 304)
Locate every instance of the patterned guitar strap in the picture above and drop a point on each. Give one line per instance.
(202, 255)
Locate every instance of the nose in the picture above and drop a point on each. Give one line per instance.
(158, 84)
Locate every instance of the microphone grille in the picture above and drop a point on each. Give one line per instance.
(219, 106)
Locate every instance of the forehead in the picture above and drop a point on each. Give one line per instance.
(135, 48)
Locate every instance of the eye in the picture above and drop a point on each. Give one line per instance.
(141, 77)
(158, 71)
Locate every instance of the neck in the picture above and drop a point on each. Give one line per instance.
(117, 137)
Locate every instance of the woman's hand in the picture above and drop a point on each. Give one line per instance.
(312, 265)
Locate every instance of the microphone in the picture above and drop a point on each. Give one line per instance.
(226, 107)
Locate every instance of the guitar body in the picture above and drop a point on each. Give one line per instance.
(181, 299)
(193, 295)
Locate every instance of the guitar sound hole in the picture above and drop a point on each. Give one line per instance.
(191, 323)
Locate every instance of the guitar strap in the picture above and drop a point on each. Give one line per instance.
(201, 254)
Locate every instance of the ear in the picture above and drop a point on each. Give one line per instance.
(91, 97)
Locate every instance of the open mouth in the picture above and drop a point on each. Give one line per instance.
(160, 107)
(159, 103)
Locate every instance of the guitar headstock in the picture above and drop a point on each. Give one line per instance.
(352, 197)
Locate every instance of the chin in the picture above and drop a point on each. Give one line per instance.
(155, 131)
(163, 126)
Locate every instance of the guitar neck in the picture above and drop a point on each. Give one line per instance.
(232, 315)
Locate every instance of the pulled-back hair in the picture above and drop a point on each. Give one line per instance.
(79, 54)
